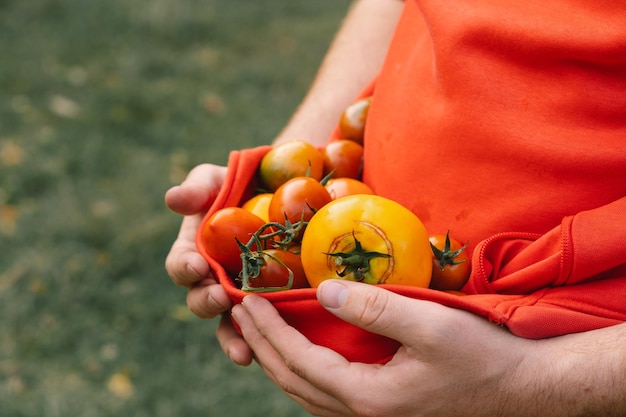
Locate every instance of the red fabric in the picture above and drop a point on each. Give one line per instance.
(505, 123)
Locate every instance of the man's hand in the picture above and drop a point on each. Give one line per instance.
(187, 268)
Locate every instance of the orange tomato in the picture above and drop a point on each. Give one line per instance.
(341, 187)
(344, 158)
(297, 199)
(353, 119)
(220, 231)
(288, 160)
(451, 263)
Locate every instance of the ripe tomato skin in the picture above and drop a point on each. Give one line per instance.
(274, 276)
(219, 233)
(344, 158)
(453, 276)
(287, 160)
(297, 199)
(259, 205)
(380, 225)
(342, 187)
(353, 119)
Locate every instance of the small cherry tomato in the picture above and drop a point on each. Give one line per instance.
(341, 187)
(297, 200)
(220, 231)
(451, 263)
(344, 158)
(259, 205)
(287, 160)
(353, 119)
(270, 271)
(366, 238)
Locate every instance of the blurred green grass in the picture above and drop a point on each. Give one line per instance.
(103, 106)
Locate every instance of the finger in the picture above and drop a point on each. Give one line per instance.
(196, 193)
(207, 299)
(381, 311)
(327, 372)
(183, 263)
(276, 368)
(232, 342)
(313, 400)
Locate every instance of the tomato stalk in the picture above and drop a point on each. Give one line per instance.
(327, 178)
(251, 269)
(446, 256)
(253, 261)
(357, 261)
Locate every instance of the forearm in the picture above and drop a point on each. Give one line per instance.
(576, 375)
(354, 58)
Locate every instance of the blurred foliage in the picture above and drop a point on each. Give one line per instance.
(103, 106)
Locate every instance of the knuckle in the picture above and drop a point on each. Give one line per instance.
(197, 303)
(294, 366)
(285, 383)
(373, 306)
(175, 269)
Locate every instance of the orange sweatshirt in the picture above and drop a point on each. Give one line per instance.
(506, 123)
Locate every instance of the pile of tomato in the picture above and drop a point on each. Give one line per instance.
(314, 219)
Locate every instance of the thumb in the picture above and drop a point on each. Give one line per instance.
(374, 309)
(197, 191)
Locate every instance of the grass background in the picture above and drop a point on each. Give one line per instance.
(103, 106)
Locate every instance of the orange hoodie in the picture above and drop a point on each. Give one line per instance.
(506, 123)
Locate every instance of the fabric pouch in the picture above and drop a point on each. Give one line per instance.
(531, 311)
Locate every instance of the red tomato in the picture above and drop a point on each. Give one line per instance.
(287, 160)
(220, 231)
(353, 119)
(341, 187)
(344, 158)
(298, 199)
(451, 263)
(270, 272)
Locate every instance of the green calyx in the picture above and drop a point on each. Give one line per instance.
(356, 262)
(446, 256)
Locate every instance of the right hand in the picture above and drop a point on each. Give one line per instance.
(186, 267)
(451, 362)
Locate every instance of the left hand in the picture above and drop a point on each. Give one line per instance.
(186, 267)
(451, 363)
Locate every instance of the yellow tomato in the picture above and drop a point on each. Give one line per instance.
(341, 187)
(366, 238)
(259, 205)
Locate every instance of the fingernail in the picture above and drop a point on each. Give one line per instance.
(332, 294)
(244, 299)
(234, 313)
